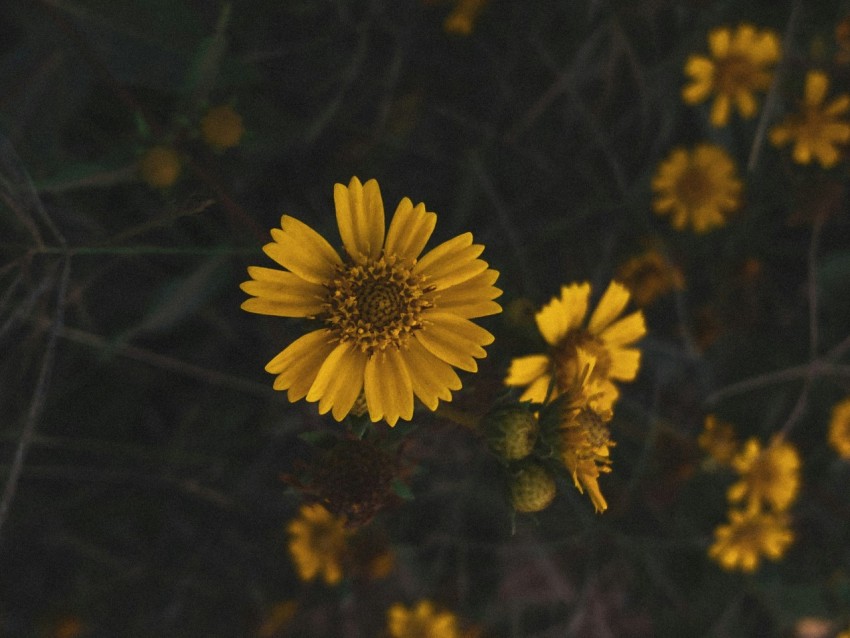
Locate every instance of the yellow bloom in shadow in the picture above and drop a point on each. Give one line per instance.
(221, 127)
(818, 128)
(390, 324)
(839, 429)
(738, 67)
(748, 537)
(605, 337)
(461, 20)
(769, 476)
(159, 166)
(421, 621)
(649, 276)
(698, 187)
(718, 440)
(317, 543)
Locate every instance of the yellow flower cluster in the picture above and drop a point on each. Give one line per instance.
(759, 524)
(585, 358)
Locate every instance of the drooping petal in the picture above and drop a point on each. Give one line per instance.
(453, 339)
(525, 370)
(432, 379)
(339, 380)
(388, 388)
(281, 293)
(612, 303)
(410, 229)
(360, 217)
(298, 364)
(302, 250)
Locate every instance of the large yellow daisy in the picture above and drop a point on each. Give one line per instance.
(818, 128)
(605, 337)
(389, 324)
(698, 187)
(739, 66)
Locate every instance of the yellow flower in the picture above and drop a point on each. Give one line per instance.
(739, 66)
(159, 166)
(461, 20)
(699, 187)
(422, 621)
(606, 338)
(749, 537)
(768, 477)
(839, 429)
(718, 440)
(390, 324)
(818, 127)
(317, 542)
(221, 127)
(649, 276)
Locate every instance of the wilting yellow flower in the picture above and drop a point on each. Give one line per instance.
(839, 429)
(718, 440)
(769, 476)
(698, 187)
(317, 542)
(461, 20)
(739, 66)
(422, 621)
(749, 537)
(649, 276)
(221, 127)
(604, 337)
(159, 166)
(818, 127)
(389, 324)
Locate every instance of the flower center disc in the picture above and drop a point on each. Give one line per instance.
(733, 73)
(694, 188)
(376, 304)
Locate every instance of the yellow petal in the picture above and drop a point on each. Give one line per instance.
(816, 86)
(718, 42)
(431, 378)
(410, 230)
(696, 92)
(472, 298)
(780, 135)
(525, 370)
(388, 388)
(838, 106)
(360, 217)
(455, 340)
(451, 262)
(563, 314)
(746, 103)
(720, 111)
(612, 303)
(339, 380)
(298, 365)
(282, 293)
(627, 330)
(302, 250)
(625, 363)
(539, 390)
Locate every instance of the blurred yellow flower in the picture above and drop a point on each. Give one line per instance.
(649, 276)
(461, 20)
(748, 537)
(818, 128)
(718, 440)
(839, 429)
(422, 621)
(159, 166)
(698, 187)
(739, 66)
(317, 543)
(278, 618)
(769, 476)
(221, 127)
(604, 337)
(391, 325)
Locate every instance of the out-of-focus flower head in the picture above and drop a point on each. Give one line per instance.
(718, 440)
(221, 127)
(318, 543)
(749, 537)
(768, 477)
(159, 166)
(649, 276)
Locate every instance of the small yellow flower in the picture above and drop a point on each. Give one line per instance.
(222, 128)
(318, 543)
(605, 337)
(739, 66)
(649, 276)
(159, 166)
(422, 621)
(461, 20)
(718, 440)
(769, 476)
(749, 537)
(839, 429)
(390, 324)
(698, 187)
(818, 128)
